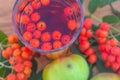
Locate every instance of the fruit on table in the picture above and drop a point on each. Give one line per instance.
(106, 76)
(73, 67)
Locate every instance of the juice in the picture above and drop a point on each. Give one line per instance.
(49, 24)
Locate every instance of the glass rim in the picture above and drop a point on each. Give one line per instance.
(75, 36)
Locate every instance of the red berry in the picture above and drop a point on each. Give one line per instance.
(111, 58)
(25, 19)
(83, 32)
(41, 25)
(115, 51)
(57, 44)
(104, 56)
(113, 42)
(84, 45)
(66, 39)
(107, 48)
(19, 59)
(56, 35)
(4, 54)
(115, 66)
(37, 34)
(105, 26)
(35, 17)
(68, 11)
(101, 33)
(46, 46)
(19, 67)
(82, 38)
(17, 52)
(12, 61)
(21, 76)
(15, 46)
(35, 43)
(29, 9)
(118, 59)
(102, 47)
(46, 36)
(13, 39)
(27, 36)
(92, 59)
(45, 2)
(107, 64)
(27, 63)
(11, 76)
(89, 51)
(87, 23)
(89, 33)
(72, 25)
(9, 51)
(101, 40)
(25, 55)
(36, 4)
(31, 27)
(27, 70)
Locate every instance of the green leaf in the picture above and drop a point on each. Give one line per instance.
(94, 27)
(111, 19)
(103, 3)
(118, 38)
(35, 76)
(81, 1)
(2, 71)
(92, 6)
(3, 37)
(100, 65)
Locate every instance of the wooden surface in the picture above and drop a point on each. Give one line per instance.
(7, 5)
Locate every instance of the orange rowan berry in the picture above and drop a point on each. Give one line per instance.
(11, 76)
(17, 52)
(66, 39)
(41, 25)
(35, 17)
(21, 76)
(4, 54)
(68, 11)
(84, 45)
(82, 38)
(113, 42)
(19, 59)
(56, 35)
(19, 67)
(57, 44)
(92, 59)
(28, 9)
(9, 51)
(35, 43)
(46, 46)
(12, 61)
(37, 34)
(104, 56)
(45, 2)
(36, 4)
(105, 26)
(115, 66)
(27, 63)
(27, 70)
(13, 38)
(31, 27)
(27, 76)
(25, 55)
(107, 64)
(72, 25)
(15, 46)
(27, 36)
(101, 33)
(25, 19)
(46, 36)
(102, 40)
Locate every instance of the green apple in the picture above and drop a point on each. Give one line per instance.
(106, 76)
(73, 67)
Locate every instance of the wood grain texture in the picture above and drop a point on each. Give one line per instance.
(7, 5)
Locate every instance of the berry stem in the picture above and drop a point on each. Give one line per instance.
(3, 65)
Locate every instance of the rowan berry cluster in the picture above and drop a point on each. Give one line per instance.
(84, 44)
(110, 51)
(19, 58)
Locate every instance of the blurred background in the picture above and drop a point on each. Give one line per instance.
(7, 5)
